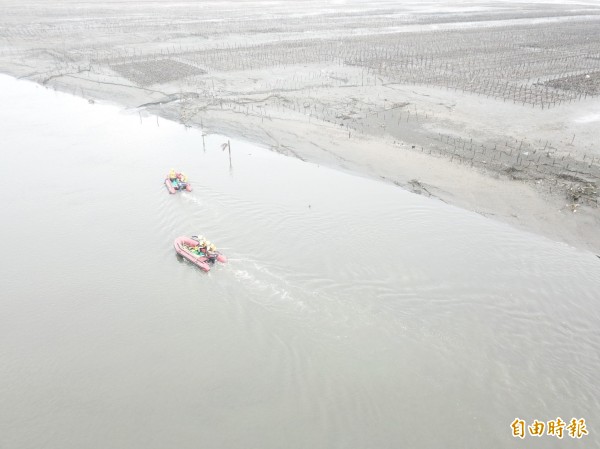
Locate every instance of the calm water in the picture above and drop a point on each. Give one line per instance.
(352, 314)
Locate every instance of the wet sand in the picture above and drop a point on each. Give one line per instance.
(490, 108)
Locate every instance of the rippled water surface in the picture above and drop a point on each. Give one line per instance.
(351, 314)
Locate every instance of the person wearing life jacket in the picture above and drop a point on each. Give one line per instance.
(204, 247)
(172, 174)
(182, 180)
(210, 251)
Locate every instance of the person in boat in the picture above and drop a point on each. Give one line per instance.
(200, 245)
(182, 180)
(204, 246)
(210, 251)
(174, 178)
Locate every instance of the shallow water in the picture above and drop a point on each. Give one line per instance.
(351, 314)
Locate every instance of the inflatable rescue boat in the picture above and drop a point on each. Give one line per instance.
(198, 252)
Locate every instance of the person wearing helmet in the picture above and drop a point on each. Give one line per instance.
(172, 175)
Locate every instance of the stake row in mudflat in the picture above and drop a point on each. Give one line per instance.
(527, 162)
(528, 65)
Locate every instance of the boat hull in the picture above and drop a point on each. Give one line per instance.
(202, 262)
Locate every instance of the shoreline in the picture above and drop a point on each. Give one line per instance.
(486, 193)
(493, 121)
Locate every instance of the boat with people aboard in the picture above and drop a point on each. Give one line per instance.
(176, 181)
(199, 251)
